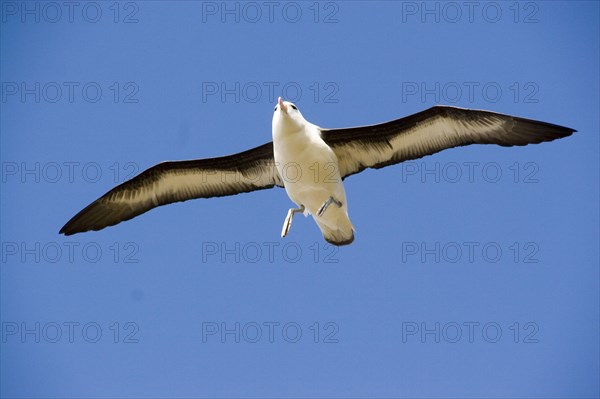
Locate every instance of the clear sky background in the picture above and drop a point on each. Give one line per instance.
(474, 271)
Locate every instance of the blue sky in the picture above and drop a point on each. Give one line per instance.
(474, 271)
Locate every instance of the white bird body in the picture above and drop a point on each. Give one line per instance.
(310, 172)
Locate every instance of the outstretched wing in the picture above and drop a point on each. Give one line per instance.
(431, 131)
(170, 182)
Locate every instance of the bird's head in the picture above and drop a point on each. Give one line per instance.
(287, 117)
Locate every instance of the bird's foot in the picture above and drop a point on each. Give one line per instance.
(326, 204)
(287, 223)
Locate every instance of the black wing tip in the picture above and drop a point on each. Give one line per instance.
(567, 130)
(69, 229)
(543, 131)
(92, 217)
(77, 227)
(570, 130)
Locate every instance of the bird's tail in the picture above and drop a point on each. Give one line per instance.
(337, 229)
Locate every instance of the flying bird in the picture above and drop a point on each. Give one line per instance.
(311, 162)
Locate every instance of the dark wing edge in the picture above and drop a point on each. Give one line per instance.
(431, 131)
(176, 181)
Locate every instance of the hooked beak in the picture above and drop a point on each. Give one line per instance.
(282, 104)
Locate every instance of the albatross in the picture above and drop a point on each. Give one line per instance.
(311, 163)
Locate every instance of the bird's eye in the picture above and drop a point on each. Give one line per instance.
(275, 110)
(293, 106)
